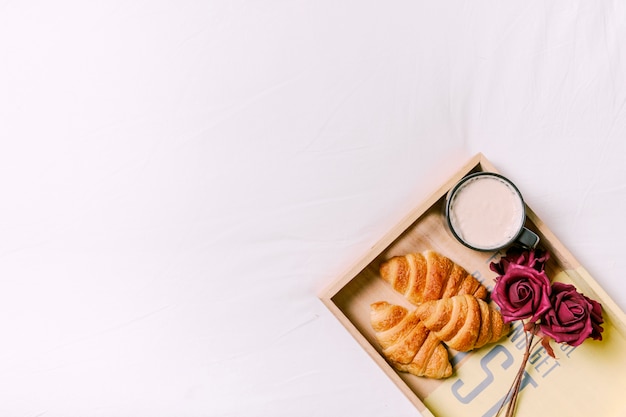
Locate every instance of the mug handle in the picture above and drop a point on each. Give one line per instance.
(527, 239)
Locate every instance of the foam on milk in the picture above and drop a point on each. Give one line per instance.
(486, 212)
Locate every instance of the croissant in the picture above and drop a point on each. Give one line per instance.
(429, 276)
(407, 344)
(463, 322)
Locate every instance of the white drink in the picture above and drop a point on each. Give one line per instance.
(486, 212)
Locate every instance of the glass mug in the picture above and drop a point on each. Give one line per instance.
(485, 211)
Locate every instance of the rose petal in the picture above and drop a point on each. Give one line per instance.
(573, 317)
(522, 292)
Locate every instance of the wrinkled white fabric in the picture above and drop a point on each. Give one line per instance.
(180, 180)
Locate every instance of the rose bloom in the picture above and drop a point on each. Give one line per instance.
(573, 317)
(516, 256)
(522, 292)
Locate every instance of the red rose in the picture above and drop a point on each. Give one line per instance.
(516, 256)
(522, 292)
(573, 317)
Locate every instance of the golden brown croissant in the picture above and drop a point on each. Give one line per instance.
(407, 344)
(463, 322)
(429, 276)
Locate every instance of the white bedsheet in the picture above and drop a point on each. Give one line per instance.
(179, 181)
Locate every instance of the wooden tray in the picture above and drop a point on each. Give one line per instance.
(585, 381)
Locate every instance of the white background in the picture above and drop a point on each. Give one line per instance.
(179, 180)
